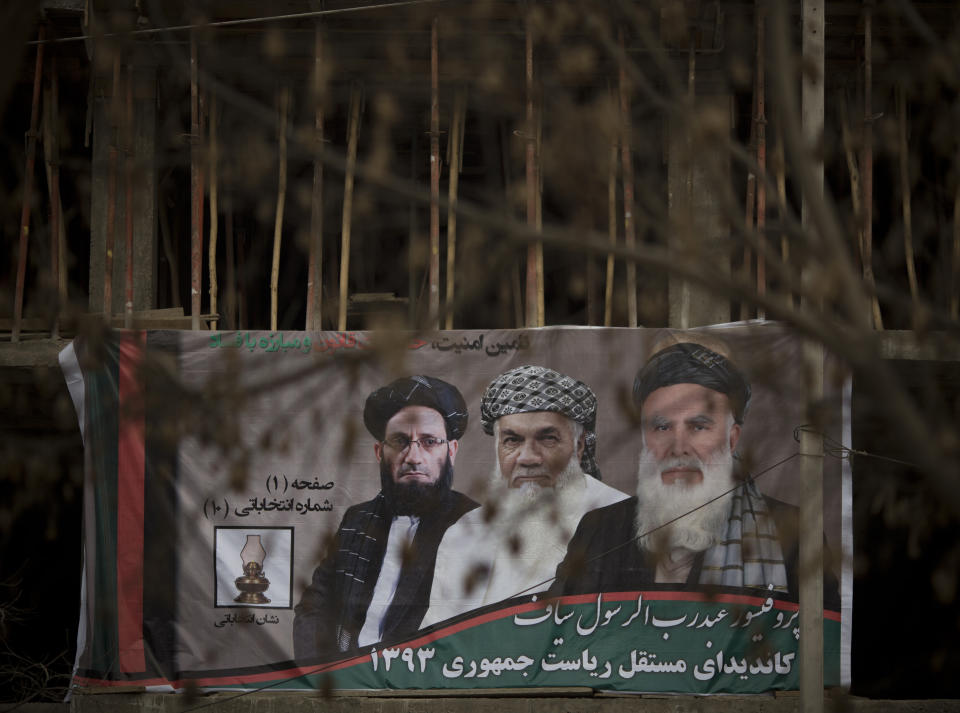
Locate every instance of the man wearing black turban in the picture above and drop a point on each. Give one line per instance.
(374, 583)
(693, 521)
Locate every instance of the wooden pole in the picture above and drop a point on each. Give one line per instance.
(352, 131)
(612, 232)
(242, 278)
(166, 239)
(629, 230)
(538, 215)
(867, 162)
(811, 444)
(905, 194)
(750, 207)
(782, 206)
(231, 297)
(128, 201)
(434, 315)
(531, 300)
(213, 158)
(761, 152)
(281, 200)
(315, 269)
(27, 190)
(51, 145)
(955, 286)
(113, 168)
(853, 167)
(456, 161)
(196, 191)
(413, 237)
(685, 293)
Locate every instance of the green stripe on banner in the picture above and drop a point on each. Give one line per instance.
(657, 642)
(102, 417)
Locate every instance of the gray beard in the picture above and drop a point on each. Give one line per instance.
(534, 513)
(659, 503)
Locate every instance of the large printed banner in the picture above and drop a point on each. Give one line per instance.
(612, 508)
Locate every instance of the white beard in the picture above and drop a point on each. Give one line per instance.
(535, 516)
(659, 503)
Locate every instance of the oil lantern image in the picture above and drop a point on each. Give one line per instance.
(252, 584)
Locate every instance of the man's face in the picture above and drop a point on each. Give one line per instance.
(684, 422)
(535, 447)
(416, 463)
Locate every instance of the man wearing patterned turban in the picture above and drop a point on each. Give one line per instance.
(545, 478)
(374, 583)
(693, 522)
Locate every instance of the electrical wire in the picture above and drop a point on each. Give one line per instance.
(235, 23)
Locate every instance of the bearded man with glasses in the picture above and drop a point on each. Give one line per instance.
(374, 582)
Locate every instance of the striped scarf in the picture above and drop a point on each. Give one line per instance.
(750, 554)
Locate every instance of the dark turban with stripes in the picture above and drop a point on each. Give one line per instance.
(689, 363)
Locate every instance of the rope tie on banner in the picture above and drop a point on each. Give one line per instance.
(835, 449)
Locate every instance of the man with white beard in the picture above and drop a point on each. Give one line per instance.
(545, 479)
(692, 522)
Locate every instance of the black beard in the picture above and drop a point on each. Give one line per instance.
(416, 499)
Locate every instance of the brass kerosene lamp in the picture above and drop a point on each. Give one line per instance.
(252, 584)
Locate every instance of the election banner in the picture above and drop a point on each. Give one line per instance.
(601, 507)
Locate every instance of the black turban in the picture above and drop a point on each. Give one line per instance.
(689, 363)
(427, 391)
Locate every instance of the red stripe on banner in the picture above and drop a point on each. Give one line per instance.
(130, 488)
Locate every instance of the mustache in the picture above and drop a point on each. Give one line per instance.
(691, 462)
(530, 471)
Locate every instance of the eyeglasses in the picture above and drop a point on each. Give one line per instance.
(402, 443)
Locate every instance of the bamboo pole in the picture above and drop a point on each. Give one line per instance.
(810, 654)
(315, 269)
(27, 190)
(213, 158)
(456, 164)
(685, 296)
(612, 232)
(412, 238)
(168, 251)
(242, 279)
(749, 207)
(231, 288)
(531, 292)
(853, 167)
(434, 315)
(196, 191)
(761, 152)
(867, 163)
(905, 195)
(281, 200)
(629, 230)
(51, 147)
(128, 201)
(113, 158)
(538, 222)
(354, 124)
(780, 162)
(955, 286)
